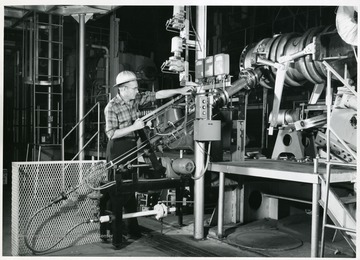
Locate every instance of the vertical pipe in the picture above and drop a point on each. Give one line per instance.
(31, 49)
(58, 123)
(199, 147)
(61, 74)
(81, 82)
(221, 204)
(315, 213)
(35, 57)
(188, 12)
(114, 51)
(98, 130)
(264, 119)
(50, 101)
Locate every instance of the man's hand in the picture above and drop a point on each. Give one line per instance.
(138, 124)
(185, 90)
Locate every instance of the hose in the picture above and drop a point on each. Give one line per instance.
(27, 243)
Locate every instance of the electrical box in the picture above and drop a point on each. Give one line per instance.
(207, 130)
(209, 66)
(201, 107)
(199, 69)
(221, 64)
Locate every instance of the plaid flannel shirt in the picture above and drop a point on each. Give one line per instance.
(119, 114)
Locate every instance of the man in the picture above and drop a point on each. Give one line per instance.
(122, 122)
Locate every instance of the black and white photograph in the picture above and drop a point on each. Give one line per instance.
(221, 129)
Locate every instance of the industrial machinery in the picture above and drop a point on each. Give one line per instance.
(318, 56)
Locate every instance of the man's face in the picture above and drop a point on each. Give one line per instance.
(132, 89)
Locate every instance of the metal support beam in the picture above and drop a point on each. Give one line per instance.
(221, 204)
(199, 147)
(81, 100)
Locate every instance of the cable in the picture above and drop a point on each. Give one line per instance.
(35, 251)
(192, 26)
(207, 163)
(91, 177)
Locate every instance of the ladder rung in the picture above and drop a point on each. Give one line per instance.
(46, 58)
(47, 93)
(60, 43)
(341, 228)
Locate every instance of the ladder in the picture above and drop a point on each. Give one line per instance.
(43, 74)
(332, 204)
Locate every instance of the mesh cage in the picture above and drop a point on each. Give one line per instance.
(35, 185)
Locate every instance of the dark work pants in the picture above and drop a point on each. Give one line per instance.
(116, 148)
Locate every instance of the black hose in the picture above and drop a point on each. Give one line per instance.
(27, 243)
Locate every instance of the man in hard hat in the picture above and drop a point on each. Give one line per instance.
(121, 123)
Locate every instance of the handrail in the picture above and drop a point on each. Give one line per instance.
(96, 133)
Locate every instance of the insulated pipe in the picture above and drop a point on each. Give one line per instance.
(307, 66)
(81, 83)
(199, 147)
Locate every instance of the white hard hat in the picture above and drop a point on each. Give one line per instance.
(124, 77)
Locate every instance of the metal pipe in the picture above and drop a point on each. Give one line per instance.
(114, 51)
(341, 228)
(286, 198)
(81, 82)
(221, 204)
(98, 133)
(50, 100)
(144, 213)
(315, 213)
(199, 147)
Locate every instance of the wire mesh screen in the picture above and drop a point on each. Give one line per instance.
(35, 185)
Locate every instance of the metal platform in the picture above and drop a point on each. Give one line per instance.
(287, 171)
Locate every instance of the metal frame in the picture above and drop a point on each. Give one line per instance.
(92, 137)
(329, 104)
(287, 172)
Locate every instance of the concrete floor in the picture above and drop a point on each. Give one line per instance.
(170, 240)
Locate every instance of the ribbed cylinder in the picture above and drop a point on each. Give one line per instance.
(303, 69)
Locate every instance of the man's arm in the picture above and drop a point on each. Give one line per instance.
(138, 124)
(161, 94)
(111, 128)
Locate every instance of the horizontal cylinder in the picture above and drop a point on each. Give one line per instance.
(304, 68)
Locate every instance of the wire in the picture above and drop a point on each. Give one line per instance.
(207, 162)
(192, 26)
